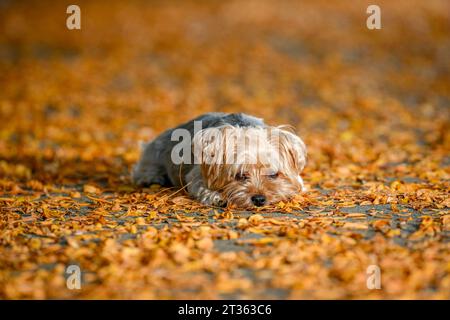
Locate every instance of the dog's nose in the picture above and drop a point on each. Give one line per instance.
(258, 200)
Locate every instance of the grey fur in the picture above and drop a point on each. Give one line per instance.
(156, 167)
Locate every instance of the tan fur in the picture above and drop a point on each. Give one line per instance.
(256, 153)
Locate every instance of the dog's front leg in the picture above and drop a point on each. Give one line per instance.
(196, 188)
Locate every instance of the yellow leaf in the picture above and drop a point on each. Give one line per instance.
(35, 243)
(205, 244)
(355, 225)
(140, 221)
(255, 219)
(90, 189)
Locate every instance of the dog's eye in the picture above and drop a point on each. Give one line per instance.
(273, 175)
(242, 176)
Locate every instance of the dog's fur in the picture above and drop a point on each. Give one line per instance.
(263, 173)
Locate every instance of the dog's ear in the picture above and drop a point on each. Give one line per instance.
(291, 147)
(209, 152)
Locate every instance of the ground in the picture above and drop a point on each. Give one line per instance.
(371, 105)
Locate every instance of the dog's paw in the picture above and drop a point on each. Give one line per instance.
(213, 198)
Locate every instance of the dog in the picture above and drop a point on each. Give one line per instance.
(232, 159)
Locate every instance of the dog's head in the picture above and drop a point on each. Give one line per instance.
(251, 166)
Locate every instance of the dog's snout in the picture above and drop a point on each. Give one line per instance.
(258, 200)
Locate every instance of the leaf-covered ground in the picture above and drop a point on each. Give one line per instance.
(372, 107)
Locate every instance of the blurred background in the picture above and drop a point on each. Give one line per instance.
(371, 105)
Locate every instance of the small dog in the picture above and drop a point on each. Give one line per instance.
(238, 159)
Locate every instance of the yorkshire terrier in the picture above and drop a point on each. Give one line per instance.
(234, 159)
